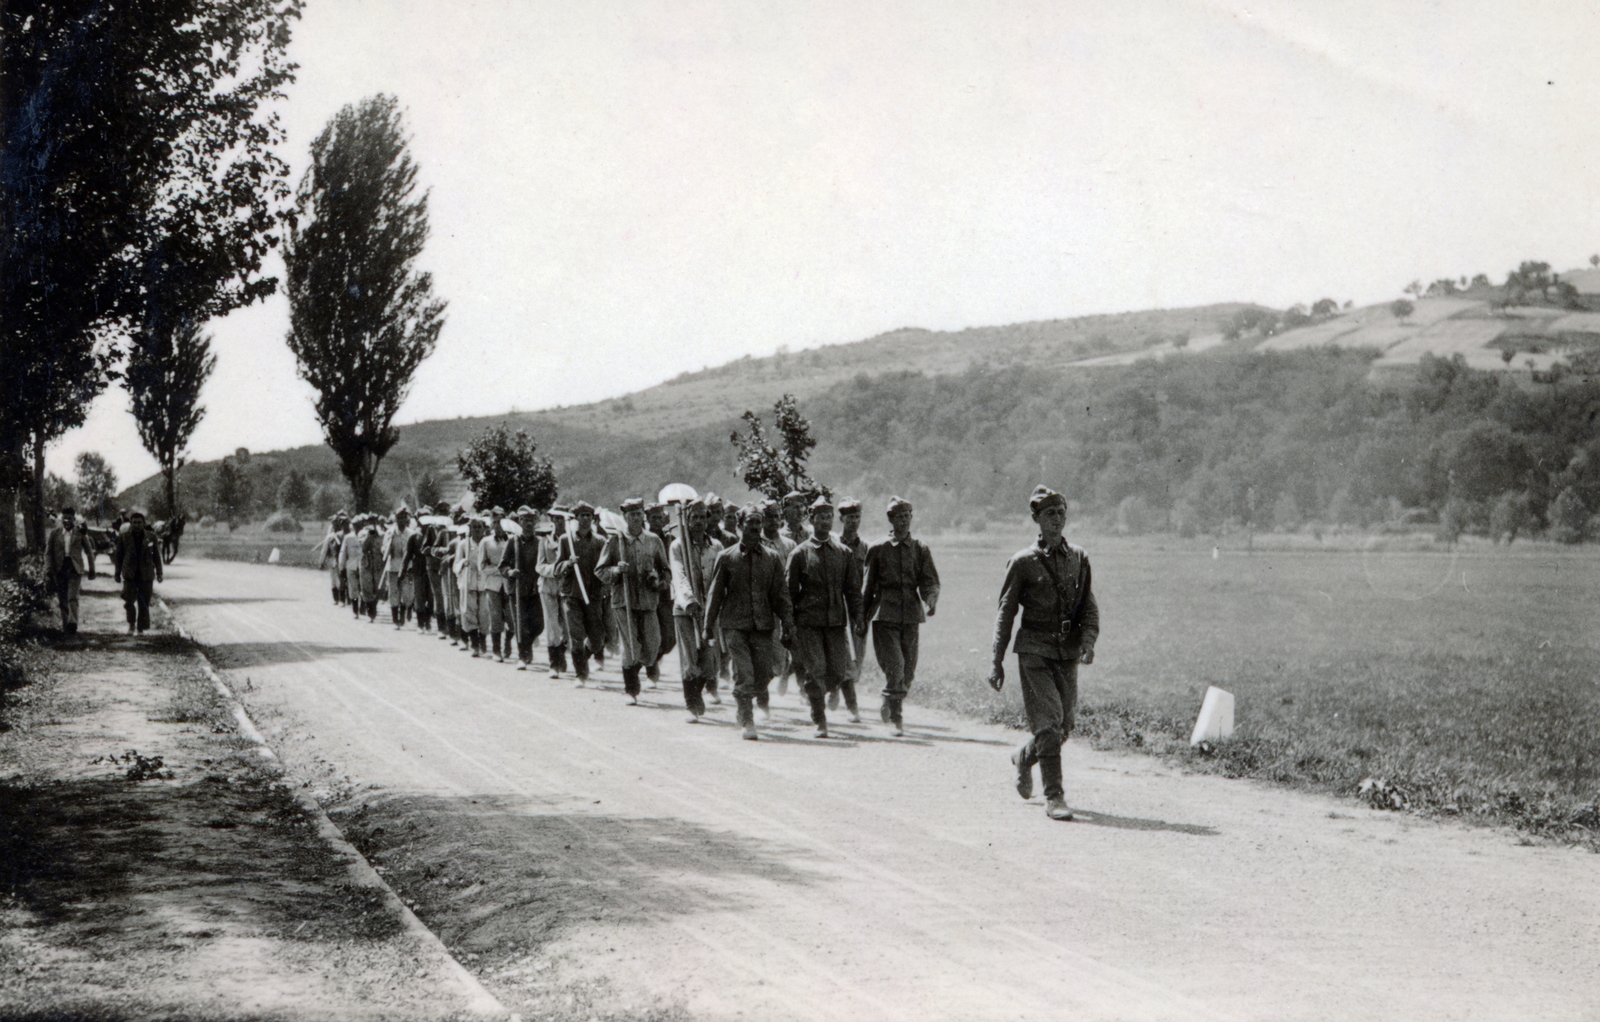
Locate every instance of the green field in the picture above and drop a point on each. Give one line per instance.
(1468, 679)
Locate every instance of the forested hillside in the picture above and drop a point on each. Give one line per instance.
(1197, 443)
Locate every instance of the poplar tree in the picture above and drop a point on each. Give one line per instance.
(362, 319)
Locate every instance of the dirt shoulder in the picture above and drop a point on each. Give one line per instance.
(154, 866)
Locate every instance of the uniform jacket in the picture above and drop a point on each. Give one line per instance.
(1029, 588)
(582, 554)
(394, 550)
(824, 584)
(780, 544)
(900, 577)
(139, 558)
(690, 587)
(748, 591)
(521, 555)
(644, 555)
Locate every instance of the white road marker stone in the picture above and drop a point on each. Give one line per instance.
(1216, 717)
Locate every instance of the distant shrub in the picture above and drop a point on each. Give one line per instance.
(208, 521)
(283, 521)
(1400, 308)
(1569, 518)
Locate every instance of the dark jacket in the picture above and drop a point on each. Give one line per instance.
(1029, 587)
(748, 591)
(824, 584)
(900, 577)
(522, 556)
(580, 554)
(139, 555)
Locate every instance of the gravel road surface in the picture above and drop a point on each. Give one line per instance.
(873, 877)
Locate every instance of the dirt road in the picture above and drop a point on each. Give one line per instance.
(873, 877)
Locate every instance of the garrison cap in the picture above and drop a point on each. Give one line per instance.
(1043, 497)
(631, 504)
(849, 506)
(583, 507)
(821, 503)
(651, 509)
(696, 504)
(898, 504)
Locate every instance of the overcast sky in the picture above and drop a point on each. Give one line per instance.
(622, 191)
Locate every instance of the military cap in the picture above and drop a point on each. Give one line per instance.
(849, 506)
(795, 496)
(898, 504)
(498, 510)
(402, 510)
(135, 514)
(696, 504)
(651, 509)
(1043, 497)
(769, 508)
(751, 511)
(821, 503)
(442, 508)
(583, 507)
(631, 504)
(525, 510)
(710, 499)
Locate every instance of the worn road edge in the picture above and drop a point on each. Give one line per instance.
(479, 1000)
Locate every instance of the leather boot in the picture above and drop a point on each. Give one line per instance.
(1024, 765)
(849, 690)
(896, 725)
(630, 682)
(819, 713)
(747, 718)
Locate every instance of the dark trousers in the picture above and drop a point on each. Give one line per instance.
(586, 631)
(1050, 700)
(752, 655)
(529, 620)
(422, 596)
(823, 658)
(895, 646)
(698, 660)
(136, 593)
(668, 632)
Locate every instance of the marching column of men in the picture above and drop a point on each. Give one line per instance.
(753, 592)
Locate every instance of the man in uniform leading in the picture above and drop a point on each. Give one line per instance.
(900, 592)
(825, 588)
(1050, 583)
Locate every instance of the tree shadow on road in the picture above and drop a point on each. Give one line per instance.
(217, 601)
(493, 874)
(230, 655)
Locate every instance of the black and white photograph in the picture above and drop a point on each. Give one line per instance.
(730, 511)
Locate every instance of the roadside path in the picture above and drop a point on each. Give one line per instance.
(870, 877)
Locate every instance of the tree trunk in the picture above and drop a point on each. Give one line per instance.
(13, 470)
(34, 512)
(170, 474)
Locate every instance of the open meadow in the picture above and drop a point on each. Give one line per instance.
(1467, 679)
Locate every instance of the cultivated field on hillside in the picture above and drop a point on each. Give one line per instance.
(1465, 676)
